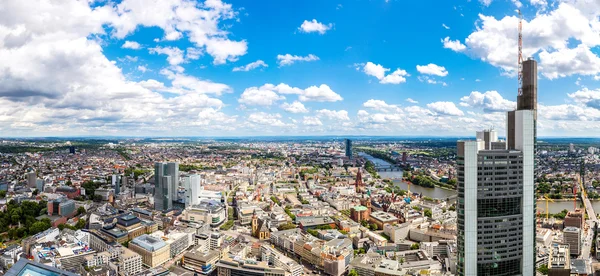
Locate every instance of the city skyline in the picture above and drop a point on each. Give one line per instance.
(238, 68)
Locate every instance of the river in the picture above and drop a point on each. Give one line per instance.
(553, 207)
(397, 179)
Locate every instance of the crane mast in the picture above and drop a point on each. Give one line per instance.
(520, 58)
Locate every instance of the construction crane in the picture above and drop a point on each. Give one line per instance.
(520, 58)
(547, 209)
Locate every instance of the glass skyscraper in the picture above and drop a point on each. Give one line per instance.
(166, 180)
(496, 193)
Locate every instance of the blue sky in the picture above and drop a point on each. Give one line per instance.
(195, 68)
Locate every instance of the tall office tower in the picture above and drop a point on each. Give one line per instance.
(165, 175)
(116, 182)
(349, 148)
(191, 183)
(31, 179)
(173, 171)
(528, 101)
(496, 192)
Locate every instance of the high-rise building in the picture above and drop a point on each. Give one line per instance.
(166, 180)
(572, 237)
(348, 148)
(191, 183)
(31, 179)
(496, 200)
(116, 182)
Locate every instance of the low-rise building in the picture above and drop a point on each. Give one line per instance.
(381, 218)
(229, 267)
(154, 251)
(208, 211)
(559, 260)
(200, 260)
(278, 259)
(130, 262)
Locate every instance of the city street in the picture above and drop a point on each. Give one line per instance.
(587, 238)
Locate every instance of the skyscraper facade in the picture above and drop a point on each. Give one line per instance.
(348, 148)
(166, 180)
(496, 193)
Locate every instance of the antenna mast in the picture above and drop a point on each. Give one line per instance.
(520, 59)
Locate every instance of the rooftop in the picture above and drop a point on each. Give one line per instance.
(149, 243)
(26, 267)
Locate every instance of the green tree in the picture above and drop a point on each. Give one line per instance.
(286, 226)
(35, 192)
(352, 273)
(2, 194)
(543, 269)
(427, 213)
(414, 246)
(373, 226)
(80, 210)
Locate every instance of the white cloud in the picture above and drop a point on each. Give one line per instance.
(380, 105)
(445, 108)
(567, 62)
(322, 93)
(486, 2)
(445, 27)
(295, 107)
(431, 80)
(432, 69)
(210, 115)
(283, 88)
(257, 96)
(131, 45)
(288, 59)
(142, 68)
(192, 53)
(314, 26)
(251, 66)
(490, 101)
(379, 72)
(454, 45)
(319, 94)
(311, 121)
(517, 3)
(174, 54)
(178, 19)
(568, 31)
(411, 101)
(263, 118)
(341, 115)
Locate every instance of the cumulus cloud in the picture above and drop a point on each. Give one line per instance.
(263, 118)
(295, 107)
(174, 54)
(490, 101)
(379, 72)
(269, 94)
(131, 45)
(562, 37)
(311, 121)
(314, 26)
(287, 59)
(341, 115)
(432, 69)
(445, 108)
(454, 45)
(142, 68)
(320, 93)
(258, 96)
(251, 66)
(380, 105)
